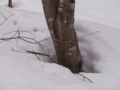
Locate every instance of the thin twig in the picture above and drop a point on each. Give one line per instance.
(18, 51)
(88, 35)
(23, 31)
(45, 39)
(37, 57)
(84, 77)
(23, 38)
(6, 19)
(32, 52)
(18, 36)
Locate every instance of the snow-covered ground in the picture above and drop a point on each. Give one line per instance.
(100, 51)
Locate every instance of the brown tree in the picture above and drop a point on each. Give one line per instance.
(59, 15)
(10, 3)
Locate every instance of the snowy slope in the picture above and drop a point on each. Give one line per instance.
(99, 11)
(100, 51)
(30, 5)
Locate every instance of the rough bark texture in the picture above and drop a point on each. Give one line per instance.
(10, 3)
(60, 19)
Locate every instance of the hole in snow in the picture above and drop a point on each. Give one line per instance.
(90, 56)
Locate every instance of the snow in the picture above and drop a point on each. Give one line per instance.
(100, 51)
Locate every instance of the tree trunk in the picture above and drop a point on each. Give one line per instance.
(60, 20)
(10, 4)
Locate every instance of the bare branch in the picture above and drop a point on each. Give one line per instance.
(17, 36)
(6, 18)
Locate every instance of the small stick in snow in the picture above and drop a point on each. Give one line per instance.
(31, 52)
(37, 53)
(84, 77)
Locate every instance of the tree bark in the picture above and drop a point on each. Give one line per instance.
(60, 20)
(10, 4)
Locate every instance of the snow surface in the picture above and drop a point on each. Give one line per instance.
(100, 51)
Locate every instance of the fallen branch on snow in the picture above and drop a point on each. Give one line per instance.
(17, 36)
(84, 77)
